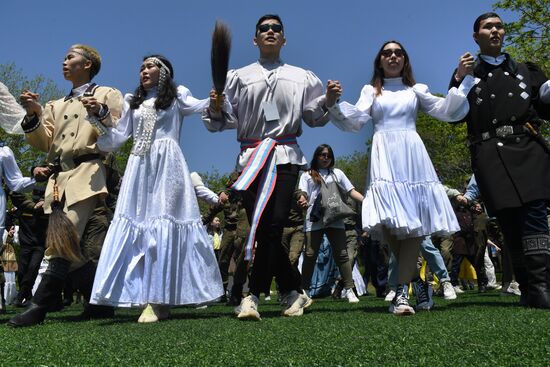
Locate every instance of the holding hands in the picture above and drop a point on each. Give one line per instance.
(91, 105)
(29, 101)
(302, 201)
(465, 66)
(334, 92)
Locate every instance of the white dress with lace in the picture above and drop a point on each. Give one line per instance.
(403, 192)
(156, 250)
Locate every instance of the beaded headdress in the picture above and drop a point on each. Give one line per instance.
(164, 71)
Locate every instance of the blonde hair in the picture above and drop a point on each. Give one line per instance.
(91, 54)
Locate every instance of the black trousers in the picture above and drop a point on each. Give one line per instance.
(270, 257)
(29, 261)
(516, 223)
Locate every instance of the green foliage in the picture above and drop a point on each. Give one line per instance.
(474, 330)
(16, 81)
(447, 147)
(528, 38)
(355, 166)
(216, 182)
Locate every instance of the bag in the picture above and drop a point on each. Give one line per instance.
(316, 213)
(333, 203)
(9, 261)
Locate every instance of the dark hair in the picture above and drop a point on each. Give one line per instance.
(266, 17)
(314, 167)
(377, 80)
(483, 17)
(166, 94)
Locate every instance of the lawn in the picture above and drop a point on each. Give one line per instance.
(476, 329)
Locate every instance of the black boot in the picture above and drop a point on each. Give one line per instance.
(48, 291)
(235, 296)
(83, 280)
(537, 259)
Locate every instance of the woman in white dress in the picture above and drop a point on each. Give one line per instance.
(156, 252)
(404, 200)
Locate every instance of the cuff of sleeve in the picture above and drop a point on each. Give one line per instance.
(103, 112)
(30, 124)
(335, 111)
(467, 84)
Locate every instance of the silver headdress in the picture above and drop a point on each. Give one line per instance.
(164, 71)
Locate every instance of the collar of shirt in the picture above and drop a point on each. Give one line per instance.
(494, 60)
(270, 65)
(77, 92)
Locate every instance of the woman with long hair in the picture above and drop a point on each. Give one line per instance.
(404, 200)
(322, 172)
(157, 252)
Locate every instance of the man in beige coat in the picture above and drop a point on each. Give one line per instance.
(67, 129)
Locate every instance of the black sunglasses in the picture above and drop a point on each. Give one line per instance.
(277, 28)
(388, 52)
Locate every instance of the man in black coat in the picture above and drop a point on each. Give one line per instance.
(511, 166)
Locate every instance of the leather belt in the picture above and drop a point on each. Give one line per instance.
(501, 132)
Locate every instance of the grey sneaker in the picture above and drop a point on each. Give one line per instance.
(294, 303)
(248, 309)
(400, 304)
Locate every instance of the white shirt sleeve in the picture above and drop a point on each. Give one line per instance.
(12, 174)
(348, 117)
(544, 92)
(11, 112)
(115, 137)
(188, 104)
(313, 112)
(453, 107)
(226, 118)
(343, 180)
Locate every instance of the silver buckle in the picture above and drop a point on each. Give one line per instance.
(504, 131)
(485, 136)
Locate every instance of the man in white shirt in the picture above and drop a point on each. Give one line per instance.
(266, 102)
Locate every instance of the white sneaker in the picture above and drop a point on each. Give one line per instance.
(511, 289)
(248, 309)
(457, 289)
(294, 303)
(448, 291)
(390, 296)
(308, 300)
(350, 295)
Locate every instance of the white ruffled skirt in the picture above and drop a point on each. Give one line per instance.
(157, 250)
(404, 193)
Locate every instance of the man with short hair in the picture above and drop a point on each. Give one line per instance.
(510, 162)
(67, 129)
(266, 102)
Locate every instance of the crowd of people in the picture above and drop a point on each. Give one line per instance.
(278, 208)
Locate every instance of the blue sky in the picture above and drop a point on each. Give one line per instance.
(334, 39)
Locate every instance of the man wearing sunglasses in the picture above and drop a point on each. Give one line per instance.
(511, 162)
(266, 102)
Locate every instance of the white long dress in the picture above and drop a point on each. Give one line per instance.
(403, 192)
(156, 250)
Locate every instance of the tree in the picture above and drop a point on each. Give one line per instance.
(355, 166)
(16, 81)
(447, 146)
(528, 38)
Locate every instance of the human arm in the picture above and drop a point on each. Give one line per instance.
(356, 195)
(348, 117)
(11, 112)
(12, 174)
(203, 192)
(116, 136)
(314, 110)
(472, 191)
(225, 118)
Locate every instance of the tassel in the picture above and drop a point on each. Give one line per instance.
(219, 59)
(62, 236)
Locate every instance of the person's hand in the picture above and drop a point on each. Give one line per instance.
(29, 101)
(461, 199)
(477, 208)
(334, 91)
(91, 105)
(465, 66)
(214, 100)
(302, 201)
(365, 234)
(224, 198)
(39, 205)
(41, 173)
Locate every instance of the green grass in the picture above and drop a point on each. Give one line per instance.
(476, 329)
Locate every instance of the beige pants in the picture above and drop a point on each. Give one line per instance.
(337, 240)
(406, 253)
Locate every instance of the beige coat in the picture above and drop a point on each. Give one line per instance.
(64, 132)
